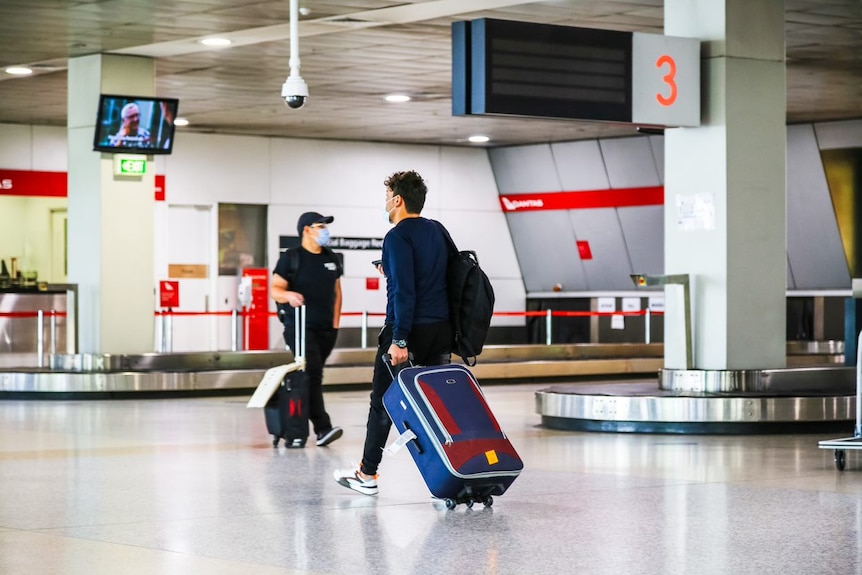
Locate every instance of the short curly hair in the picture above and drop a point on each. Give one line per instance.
(411, 187)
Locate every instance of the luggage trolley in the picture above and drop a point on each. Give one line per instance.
(841, 445)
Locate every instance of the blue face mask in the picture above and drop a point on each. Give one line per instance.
(322, 238)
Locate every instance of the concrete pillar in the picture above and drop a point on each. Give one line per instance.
(725, 221)
(110, 233)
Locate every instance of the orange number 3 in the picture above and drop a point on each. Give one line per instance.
(668, 79)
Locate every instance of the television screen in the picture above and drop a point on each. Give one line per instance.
(135, 124)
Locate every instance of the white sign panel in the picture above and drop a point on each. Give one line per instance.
(631, 304)
(695, 212)
(618, 322)
(607, 304)
(656, 303)
(665, 80)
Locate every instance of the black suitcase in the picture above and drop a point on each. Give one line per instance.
(286, 412)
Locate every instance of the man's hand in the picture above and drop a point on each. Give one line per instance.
(399, 354)
(295, 299)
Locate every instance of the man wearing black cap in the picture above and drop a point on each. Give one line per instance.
(310, 275)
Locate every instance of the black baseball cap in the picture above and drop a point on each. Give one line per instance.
(310, 218)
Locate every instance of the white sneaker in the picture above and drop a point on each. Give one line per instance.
(351, 479)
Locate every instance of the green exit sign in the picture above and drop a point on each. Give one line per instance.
(130, 165)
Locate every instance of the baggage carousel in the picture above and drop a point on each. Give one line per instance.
(592, 387)
(817, 393)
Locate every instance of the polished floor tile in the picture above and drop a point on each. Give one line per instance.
(194, 486)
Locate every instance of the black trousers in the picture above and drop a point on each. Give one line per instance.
(318, 345)
(430, 344)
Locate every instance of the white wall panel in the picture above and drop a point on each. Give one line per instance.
(630, 162)
(657, 145)
(208, 169)
(814, 247)
(545, 244)
(50, 151)
(16, 147)
(467, 181)
(643, 230)
(839, 135)
(331, 173)
(525, 169)
(609, 267)
(580, 165)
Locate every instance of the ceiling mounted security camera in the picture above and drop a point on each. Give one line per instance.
(294, 90)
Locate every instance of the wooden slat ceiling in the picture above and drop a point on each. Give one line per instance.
(353, 52)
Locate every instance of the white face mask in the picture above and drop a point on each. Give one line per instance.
(387, 213)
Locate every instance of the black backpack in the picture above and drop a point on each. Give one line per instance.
(293, 268)
(471, 301)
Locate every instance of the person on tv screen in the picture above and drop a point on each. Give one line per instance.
(131, 133)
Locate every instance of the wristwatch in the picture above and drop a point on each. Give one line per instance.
(402, 343)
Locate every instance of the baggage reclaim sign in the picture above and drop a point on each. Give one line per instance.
(336, 243)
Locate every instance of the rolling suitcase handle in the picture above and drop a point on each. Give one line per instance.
(408, 435)
(299, 331)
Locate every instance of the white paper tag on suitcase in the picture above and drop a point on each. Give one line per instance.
(402, 440)
(270, 382)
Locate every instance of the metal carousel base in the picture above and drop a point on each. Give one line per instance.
(807, 400)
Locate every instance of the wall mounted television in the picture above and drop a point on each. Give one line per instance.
(135, 124)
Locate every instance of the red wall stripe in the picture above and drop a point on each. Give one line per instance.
(49, 184)
(617, 198)
(32, 183)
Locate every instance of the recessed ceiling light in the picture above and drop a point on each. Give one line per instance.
(397, 98)
(181, 122)
(478, 139)
(19, 71)
(215, 42)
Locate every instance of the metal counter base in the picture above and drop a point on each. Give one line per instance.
(827, 405)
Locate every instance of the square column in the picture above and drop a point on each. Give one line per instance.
(110, 233)
(725, 205)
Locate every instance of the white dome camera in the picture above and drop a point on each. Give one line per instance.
(295, 92)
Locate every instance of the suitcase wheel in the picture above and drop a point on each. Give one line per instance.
(487, 501)
(275, 441)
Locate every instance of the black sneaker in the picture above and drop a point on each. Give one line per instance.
(327, 437)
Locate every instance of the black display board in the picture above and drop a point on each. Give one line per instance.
(510, 68)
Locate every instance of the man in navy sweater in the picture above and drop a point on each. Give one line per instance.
(414, 260)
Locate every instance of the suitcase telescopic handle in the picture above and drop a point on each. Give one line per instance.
(394, 370)
(299, 332)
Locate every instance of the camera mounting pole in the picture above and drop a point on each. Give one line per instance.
(294, 90)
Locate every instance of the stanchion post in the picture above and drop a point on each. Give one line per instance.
(234, 330)
(40, 334)
(364, 329)
(647, 325)
(53, 324)
(548, 324)
(169, 323)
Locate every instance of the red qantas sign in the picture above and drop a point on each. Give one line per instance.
(49, 184)
(621, 198)
(29, 183)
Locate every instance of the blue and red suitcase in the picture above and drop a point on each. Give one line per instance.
(455, 440)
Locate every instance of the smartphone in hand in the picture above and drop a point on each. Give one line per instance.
(376, 263)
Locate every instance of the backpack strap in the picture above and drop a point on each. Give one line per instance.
(453, 249)
(292, 264)
(292, 269)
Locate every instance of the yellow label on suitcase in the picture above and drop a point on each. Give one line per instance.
(491, 456)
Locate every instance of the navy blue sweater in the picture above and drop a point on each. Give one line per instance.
(414, 261)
